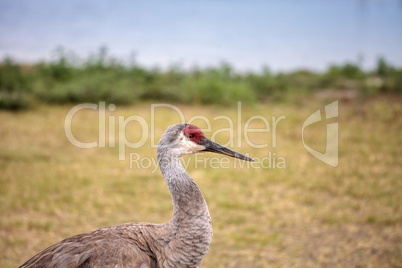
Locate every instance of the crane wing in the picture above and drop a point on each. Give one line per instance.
(106, 247)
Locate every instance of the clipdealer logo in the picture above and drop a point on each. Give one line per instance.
(237, 131)
(330, 156)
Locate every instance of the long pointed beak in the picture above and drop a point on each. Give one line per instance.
(214, 147)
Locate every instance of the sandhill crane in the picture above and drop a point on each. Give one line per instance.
(182, 242)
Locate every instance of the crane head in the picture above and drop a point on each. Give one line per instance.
(192, 140)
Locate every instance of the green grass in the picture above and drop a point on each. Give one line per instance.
(306, 215)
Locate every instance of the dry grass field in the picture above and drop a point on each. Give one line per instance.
(307, 214)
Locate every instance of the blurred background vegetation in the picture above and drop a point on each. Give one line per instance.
(101, 77)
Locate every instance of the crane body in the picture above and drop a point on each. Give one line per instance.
(181, 242)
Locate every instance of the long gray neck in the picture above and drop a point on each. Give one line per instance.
(186, 196)
(190, 225)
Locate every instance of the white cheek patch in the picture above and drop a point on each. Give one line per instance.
(188, 146)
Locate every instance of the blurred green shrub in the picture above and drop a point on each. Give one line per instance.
(14, 86)
(391, 78)
(69, 79)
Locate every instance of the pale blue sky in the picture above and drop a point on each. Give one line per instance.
(283, 35)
